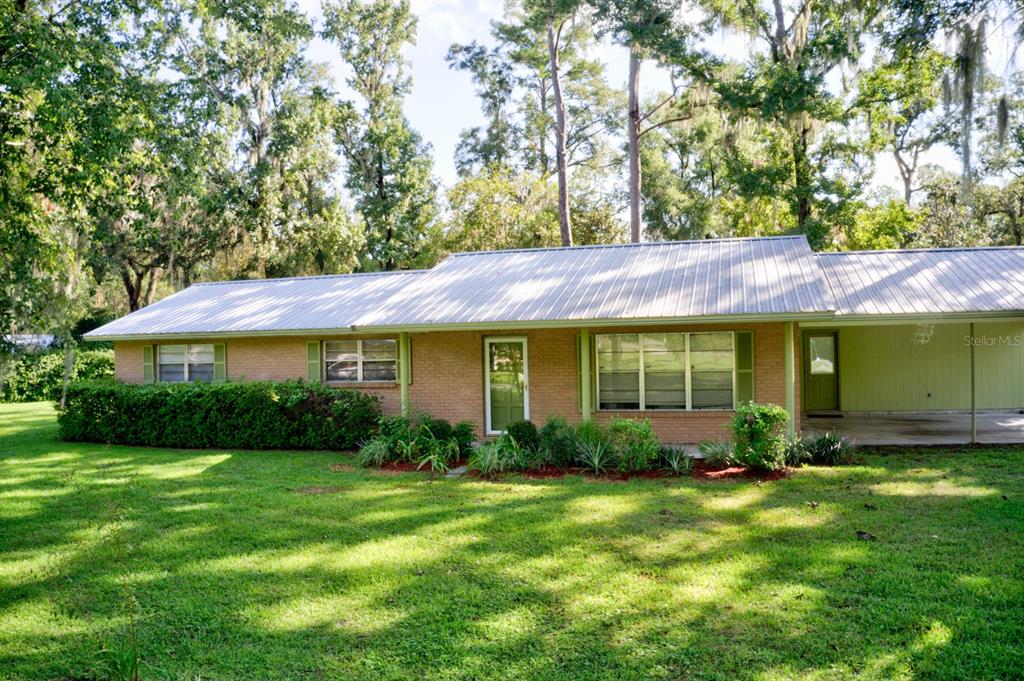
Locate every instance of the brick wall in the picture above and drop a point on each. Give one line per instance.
(448, 378)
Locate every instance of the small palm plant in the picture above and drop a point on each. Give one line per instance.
(596, 454)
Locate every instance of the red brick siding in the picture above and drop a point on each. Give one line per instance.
(448, 378)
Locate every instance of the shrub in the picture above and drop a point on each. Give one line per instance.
(596, 455)
(797, 451)
(464, 432)
(413, 439)
(558, 442)
(676, 460)
(634, 444)
(37, 376)
(375, 452)
(716, 454)
(490, 458)
(266, 415)
(525, 434)
(437, 428)
(829, 449)
(759, 433)
(437, 454)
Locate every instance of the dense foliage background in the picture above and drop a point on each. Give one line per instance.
(147, 144)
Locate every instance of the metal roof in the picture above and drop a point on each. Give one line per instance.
(926, 281)
(672, 280)
(696, 280)
(651, 281)
(261, 306)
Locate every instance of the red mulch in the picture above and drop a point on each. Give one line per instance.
(702, 471)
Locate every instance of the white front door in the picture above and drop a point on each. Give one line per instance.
(506, 383)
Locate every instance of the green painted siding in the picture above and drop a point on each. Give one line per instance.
(999, 367)
(918, 368)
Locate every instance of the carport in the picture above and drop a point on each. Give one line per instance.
(926, 347)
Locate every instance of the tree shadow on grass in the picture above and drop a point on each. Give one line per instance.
(238, 576)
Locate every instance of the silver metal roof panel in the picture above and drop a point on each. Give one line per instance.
(926, 281)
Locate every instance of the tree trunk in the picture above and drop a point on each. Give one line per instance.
(543, 133)
(802, 177)
(906, 174)
(633, 135)
(564, 220)
(133, 288)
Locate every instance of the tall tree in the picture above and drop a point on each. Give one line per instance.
(555, 16)
(246, 71)
(494, 145)
(69, 80)
(646, 28)
(787, 85)
(900, 96)
(389, 166)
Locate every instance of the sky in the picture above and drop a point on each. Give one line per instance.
(443, 103)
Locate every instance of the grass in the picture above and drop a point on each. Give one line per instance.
(258, 565)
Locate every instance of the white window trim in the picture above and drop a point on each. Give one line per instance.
(688, 370)
(187, 346)
(359, 361)
(487, 378)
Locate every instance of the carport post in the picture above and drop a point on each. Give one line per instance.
(974, 403)
(787, 339)
(404, 371)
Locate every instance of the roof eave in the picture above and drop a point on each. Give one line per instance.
(478, 326)
(918, 317)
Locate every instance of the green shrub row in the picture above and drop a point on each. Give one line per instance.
(292, 415)
(625, 445)
(427, 442)
(39, 376)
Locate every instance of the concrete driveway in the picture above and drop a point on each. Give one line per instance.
(935, 428)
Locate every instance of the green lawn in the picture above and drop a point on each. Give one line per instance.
(237, 571)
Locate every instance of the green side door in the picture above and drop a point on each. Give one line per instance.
(506, 383)
(821, 371)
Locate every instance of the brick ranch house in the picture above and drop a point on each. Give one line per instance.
(678, 333)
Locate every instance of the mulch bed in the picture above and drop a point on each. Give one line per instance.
(700, 471)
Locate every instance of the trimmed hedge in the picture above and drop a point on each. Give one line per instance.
(267, 415)
(38, 376)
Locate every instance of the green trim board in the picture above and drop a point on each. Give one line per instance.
(743, 345)
(220, 368)
(314, 368)
(789, 378)
(404, 370)
(148, 364)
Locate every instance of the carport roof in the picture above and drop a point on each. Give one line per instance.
(925, 282)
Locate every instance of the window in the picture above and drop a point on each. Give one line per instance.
(823, 355)
(618, 361)
(361, 360)
(711, 364)
(180, 363)
(653, 371)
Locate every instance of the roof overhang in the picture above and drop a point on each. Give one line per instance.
(803, 318)
(919, 318)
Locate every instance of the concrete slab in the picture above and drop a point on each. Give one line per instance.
(935, 428)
